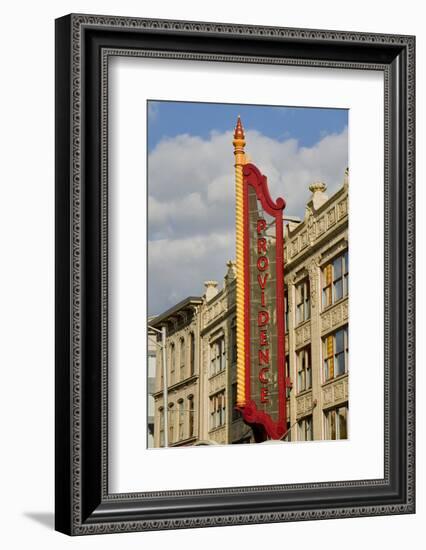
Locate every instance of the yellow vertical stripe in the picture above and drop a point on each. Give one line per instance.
(239, 233)
(330, 356)
(328, 274)
(240, 160)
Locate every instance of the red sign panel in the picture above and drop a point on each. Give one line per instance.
(265, 407)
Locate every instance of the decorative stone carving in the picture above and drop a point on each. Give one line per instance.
(319, 197)
(346, 178)
(306, 332)
(217, 382)
(327, 395)
(311, 230)
(313, 276)
(232, 271)
(331, 216)
(294, 249)
(345, 309)
(342, 209)
(303, 334)
(304, 404)
(335, 316)
(218, 435)
(211, 289)
(321, 225)
(335, 392)
(338, 391)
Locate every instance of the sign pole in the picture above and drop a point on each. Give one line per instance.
(240, 160)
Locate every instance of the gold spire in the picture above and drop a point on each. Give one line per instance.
(239, 131)
(239, 143)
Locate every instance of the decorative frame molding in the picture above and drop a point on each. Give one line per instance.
(84, 44)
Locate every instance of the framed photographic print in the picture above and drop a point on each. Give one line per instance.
(234, 274)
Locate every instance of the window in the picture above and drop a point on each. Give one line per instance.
(335, 353)
(181, 419)
(304, 429)
(191, 416)
(161, 413)
(235, 412)
(217, 356)
(217, 410)
(303, 301)
(221, 409)
(287, 376)
(234, 341)
(172, 363)
(336, 423)
(160, 365)
(304, 369)
(171, 411)
(192, 354)
(182, 358)
(335, 280)
(286, 308)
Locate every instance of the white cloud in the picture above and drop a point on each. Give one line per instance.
(191, 201)
(178, 267)
(153, 111)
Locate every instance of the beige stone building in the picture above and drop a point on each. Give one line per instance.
(183, 324)
(316, 267)
(201, 341)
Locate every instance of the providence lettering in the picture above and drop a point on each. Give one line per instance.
(263, 318)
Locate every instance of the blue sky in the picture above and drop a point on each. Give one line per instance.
(307, 125)
(191, 187)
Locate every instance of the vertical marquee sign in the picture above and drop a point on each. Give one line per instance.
(261, 393)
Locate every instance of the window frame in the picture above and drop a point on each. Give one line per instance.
(182, 357)
(217, 356)
(330, 287)
(191, 353)
(217, 403)
(172, 363)
(304, 369)
(303, 300)
(181, 420)
(303, 430)
(326, 356)
(333, 413)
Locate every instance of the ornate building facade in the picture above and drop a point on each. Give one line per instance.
(316, 264)
(201, 341)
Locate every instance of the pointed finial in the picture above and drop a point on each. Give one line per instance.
(239, 143)
(346, 177)
(239, 130)
(319, 197)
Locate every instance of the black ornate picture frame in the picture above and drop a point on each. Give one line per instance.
(84, 44)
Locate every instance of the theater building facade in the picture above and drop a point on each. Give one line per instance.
(201, 341)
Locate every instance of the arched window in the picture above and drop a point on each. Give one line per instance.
(172, 363)
(191, 416)
(286, 308)
(171, 422)
(161, 415)
(181, 419)
(191, 354)
(182, 358)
